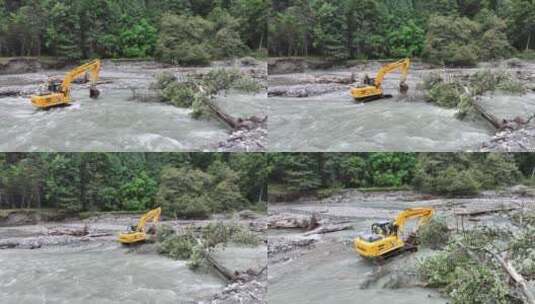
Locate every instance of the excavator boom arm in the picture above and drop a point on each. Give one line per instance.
(424, 214)
(92, 67)
(153, 215)
(403, 65)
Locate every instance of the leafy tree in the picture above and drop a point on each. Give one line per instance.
(184, 40)
(138, 40)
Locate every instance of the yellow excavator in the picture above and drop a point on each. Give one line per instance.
(137, 233)
(373, 90)
(59, 92)
(386, 239)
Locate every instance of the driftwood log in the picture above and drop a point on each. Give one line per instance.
(329, 229)
(234, 123)
(483, 211)
(495, 121)
(73, 232)
(285, 221)
(228, 274)
(517, 278)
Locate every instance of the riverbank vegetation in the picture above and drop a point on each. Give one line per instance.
(497, 259)
(457, 33)
(197, 92)
(457, 93)
(194, 246)
(184, 184)
(453, 174)
(180, 32)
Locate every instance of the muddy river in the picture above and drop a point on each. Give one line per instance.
(330, 271)
(99, 273)
(333, 122)
(113, 122)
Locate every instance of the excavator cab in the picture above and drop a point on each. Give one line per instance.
(54, 85)
(384, 228)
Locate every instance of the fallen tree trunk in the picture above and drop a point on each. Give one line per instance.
(95, 235)
(234, 123)
(517, 278)
(507, 266)
(293, 221)
(495, 121)
(10, 93)
(228, 274)
(484, 211)
(73, 232)
(329, 229)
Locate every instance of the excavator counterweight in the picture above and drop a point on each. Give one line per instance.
(386, 238)
(373, 89)
(60, 91)
(138, 233)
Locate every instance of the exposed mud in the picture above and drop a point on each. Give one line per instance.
(325, 269)
(308, 112)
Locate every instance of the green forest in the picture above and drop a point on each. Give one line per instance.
(174, 31)
(435, 173)
(183, 184)
(452, 32)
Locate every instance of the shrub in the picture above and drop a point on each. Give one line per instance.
(446, 95)
(221, 233)
(164, 231)
(498, 169)
(450, 40)
(455, 182)
(184, 40)
(461, 55)
(459, 41)
(178, 247)
(469, 281)
(435, 234)
(448, 174)
(182, 192)
(523, 252)
(462, 279)
(246, 237)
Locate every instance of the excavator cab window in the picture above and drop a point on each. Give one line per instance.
(54, 86)
(368, 81)
(384, 228)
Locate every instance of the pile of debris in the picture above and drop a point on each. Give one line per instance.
(512, 140)
(243, 292)
(249, 135)
(54, 237)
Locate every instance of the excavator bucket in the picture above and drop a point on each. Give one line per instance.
(94, 92)
(403, 88)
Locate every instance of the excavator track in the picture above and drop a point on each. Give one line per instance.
(373, 98)
(409, 248)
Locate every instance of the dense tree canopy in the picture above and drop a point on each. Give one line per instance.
(442, 173)
(132, 28)
(210, 182)
(434, 29)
